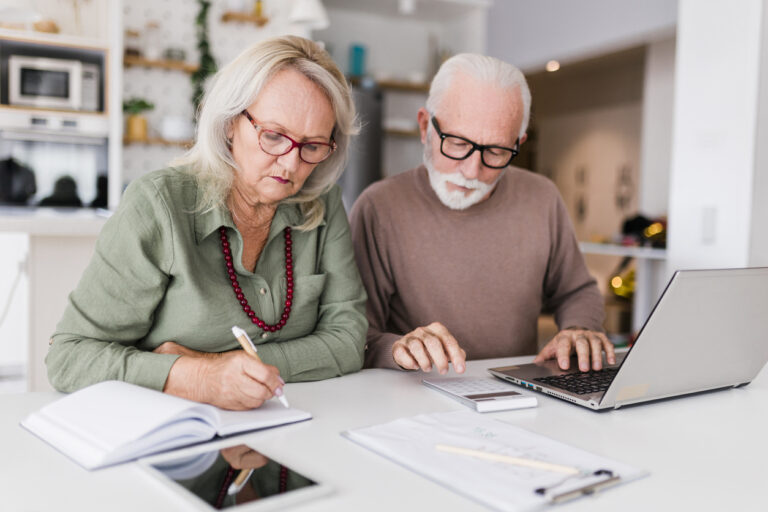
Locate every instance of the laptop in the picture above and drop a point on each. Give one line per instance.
(708, 330)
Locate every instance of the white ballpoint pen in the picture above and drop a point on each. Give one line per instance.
(247, 344)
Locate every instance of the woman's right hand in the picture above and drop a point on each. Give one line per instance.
(230, 380)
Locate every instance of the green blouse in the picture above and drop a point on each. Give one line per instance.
(158, 274)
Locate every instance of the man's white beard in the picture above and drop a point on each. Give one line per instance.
(455, 199)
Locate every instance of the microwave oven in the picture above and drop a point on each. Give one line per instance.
(53, 83)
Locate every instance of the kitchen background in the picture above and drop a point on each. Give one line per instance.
(607, 126)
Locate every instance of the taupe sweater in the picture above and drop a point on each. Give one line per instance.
(485, 272)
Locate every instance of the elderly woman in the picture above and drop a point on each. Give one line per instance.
(247, 229)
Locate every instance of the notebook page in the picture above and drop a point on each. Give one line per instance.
(111, 414)
(270, 414)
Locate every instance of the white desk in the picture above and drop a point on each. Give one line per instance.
(704, 452)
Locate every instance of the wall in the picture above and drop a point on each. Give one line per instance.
(658, 105)
(719, 107)
(171, 91)
(529, 34)
(593, 156)
(14, 297)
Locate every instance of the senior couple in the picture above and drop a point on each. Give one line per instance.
(458, 256)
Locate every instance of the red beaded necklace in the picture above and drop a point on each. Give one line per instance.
(239, 292)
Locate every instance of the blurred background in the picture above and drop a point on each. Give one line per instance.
(646, 115)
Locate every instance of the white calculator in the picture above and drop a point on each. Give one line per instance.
(482, 394)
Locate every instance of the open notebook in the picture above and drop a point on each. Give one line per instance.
(112, 422)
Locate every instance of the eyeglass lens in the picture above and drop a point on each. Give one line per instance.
(277, 144)
(454, 147)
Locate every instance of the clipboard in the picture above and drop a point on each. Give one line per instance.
(500, 465)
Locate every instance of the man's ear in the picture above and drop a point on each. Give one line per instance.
(523, 138)
(423, 119)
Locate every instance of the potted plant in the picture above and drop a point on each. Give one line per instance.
(136, 123)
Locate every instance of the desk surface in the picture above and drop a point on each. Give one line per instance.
(703, 452)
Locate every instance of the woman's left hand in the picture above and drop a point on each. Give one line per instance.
(171, 347)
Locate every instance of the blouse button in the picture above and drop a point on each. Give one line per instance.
(263, 291)
(264, 335)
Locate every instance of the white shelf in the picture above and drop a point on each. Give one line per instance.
(650, 253)
(32, 36)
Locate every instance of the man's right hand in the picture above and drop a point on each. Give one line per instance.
(427, 346)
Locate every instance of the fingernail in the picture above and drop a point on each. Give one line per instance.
(459, 368)
(281, 380)
(278, 391)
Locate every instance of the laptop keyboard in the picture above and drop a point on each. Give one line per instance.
(582, 383)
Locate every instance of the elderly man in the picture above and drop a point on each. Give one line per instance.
(460, 255)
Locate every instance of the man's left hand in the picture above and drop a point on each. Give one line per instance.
(588, 345)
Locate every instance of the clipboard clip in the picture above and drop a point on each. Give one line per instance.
(608, 479)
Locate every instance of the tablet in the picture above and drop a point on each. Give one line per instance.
(232, 477)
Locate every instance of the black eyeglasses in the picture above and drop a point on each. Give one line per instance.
(278, 144)
(459, 148)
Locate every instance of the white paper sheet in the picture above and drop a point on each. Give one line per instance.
(412, 442)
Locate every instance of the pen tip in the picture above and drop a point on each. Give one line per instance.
(236, 331)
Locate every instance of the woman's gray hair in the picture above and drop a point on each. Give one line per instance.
(483, 68)
(235, 87)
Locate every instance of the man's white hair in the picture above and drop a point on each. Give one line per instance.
(485, 69)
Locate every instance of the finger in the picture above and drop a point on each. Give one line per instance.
(563, 351)
(596, 347)
(436, 352)
(403, 357)
(265, 374)
(548, 352)
(581, 344)
(451, 346)
(610, 352)
(461, 366)
(416, 348)
(253, 394)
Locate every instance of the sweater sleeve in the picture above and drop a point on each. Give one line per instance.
(336, 345)
(569, 290)
(112, 308)
(369, 239)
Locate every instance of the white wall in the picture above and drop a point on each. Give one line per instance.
(14, 297)
(658, 105)
(529, 33)
(396, 48)
(171, 91)
(598, 144)
(717, 85)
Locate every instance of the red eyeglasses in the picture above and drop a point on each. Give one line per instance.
(278, 144)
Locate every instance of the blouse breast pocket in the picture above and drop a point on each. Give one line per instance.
(306, 304)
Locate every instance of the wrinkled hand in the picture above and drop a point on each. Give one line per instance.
(230, 380)
(425, 346)
(588, 345)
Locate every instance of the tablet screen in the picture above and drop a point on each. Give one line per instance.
(232, 476)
